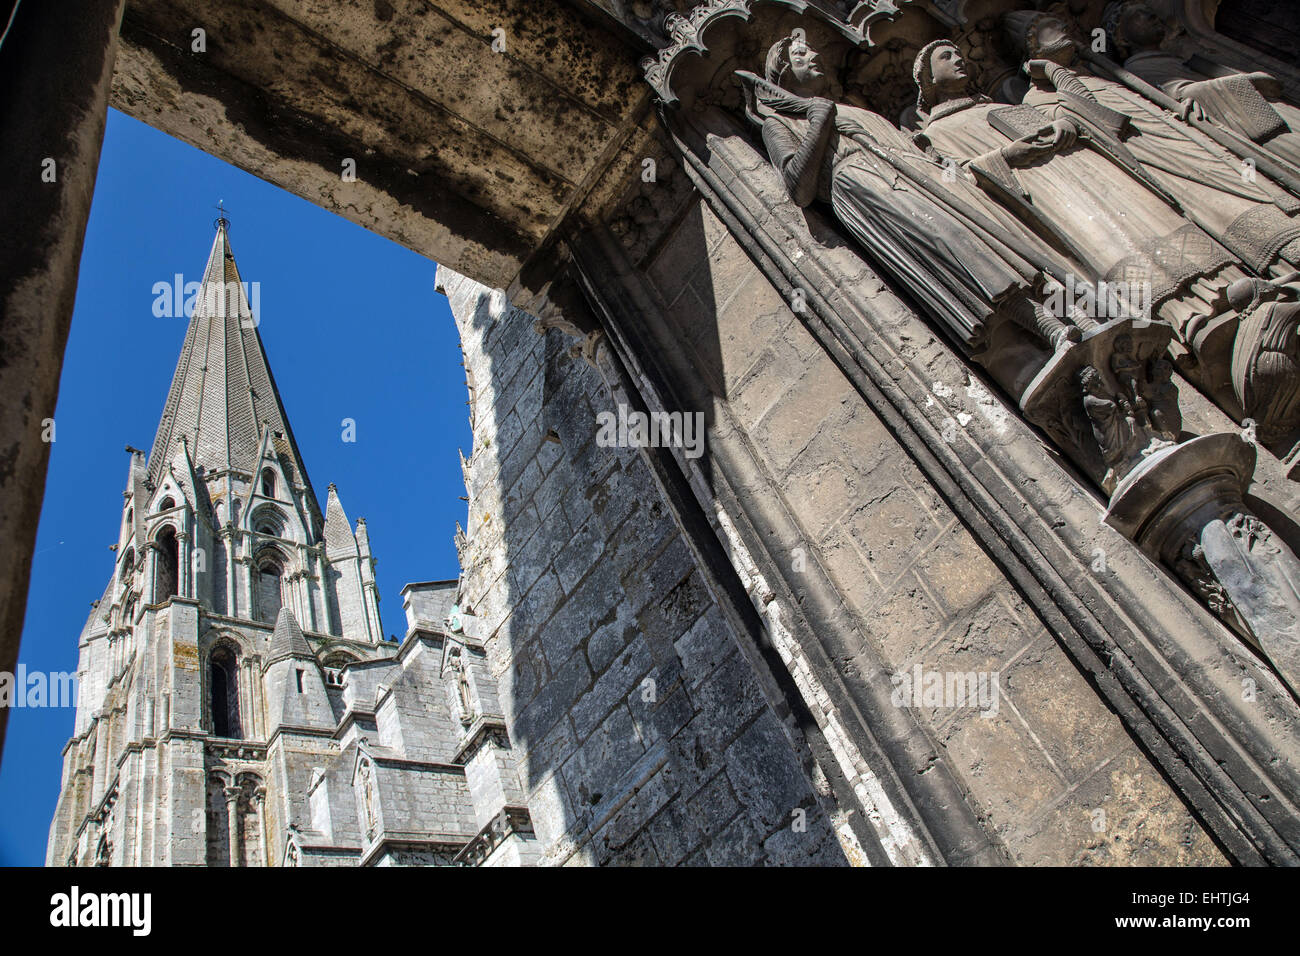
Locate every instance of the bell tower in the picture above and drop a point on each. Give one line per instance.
(232, 599)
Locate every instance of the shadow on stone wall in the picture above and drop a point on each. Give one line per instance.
(642, 732)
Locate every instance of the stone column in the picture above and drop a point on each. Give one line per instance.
(258, 800)
(232, 822)
(183, 576)
(232, 602)
(56, 70)
(332, 626)
(257, 727)
(150, 573)
(249, 686)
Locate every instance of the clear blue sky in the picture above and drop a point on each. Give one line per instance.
(353, 329)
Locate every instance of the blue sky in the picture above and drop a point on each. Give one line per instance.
(352, 327)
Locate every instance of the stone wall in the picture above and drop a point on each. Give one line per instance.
(1052, 774)
(645, 733)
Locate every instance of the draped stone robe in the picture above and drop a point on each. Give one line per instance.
(1205, 179)
(1123, 231)
(1231, 99)
(963, 273)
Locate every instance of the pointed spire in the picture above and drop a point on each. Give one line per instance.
(338, 533)
(288, 640)
(136, 469)
(223, 390)
(363, 538)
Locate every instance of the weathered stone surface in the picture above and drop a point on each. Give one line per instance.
(604, 724)
(869, 484)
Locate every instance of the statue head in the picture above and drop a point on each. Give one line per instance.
(940, 73)
(1162, 370)
(1040, 36)
(795, 66)
(1092, 382)
(1138, 27)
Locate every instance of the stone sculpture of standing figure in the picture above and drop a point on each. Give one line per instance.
(965, 260)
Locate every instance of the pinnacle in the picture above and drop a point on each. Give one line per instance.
(288, 640)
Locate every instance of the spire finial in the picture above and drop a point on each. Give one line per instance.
(221, 222)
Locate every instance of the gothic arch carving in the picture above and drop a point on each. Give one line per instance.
(268, 519)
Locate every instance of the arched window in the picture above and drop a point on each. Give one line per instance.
(167, 504)
(223, 692)
(333, 667)
(128, 566)
(165, 580)
(269, 521)
(268, 482)
(269, 572)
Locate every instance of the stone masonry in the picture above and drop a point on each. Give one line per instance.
(645, 733)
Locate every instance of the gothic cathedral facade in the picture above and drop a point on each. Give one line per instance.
(239, 704)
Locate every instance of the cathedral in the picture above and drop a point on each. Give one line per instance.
(239, 704)
(982, 546)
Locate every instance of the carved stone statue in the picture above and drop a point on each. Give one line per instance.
(367, 774)
(964, 258)
(1081, 168)
(1109, 428)
(1120, 230)
(463, 697)
(1249, 104)
(1266, 375)
(1258, 221)
(1035, 199)
(1162, 400)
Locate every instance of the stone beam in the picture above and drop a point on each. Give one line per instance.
(52, 127)
(475, 127)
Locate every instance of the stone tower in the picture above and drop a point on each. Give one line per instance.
(238, 704)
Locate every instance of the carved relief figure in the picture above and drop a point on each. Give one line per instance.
(1122, 231)
(965, 259)
(1112, 196)
(1110, 429)
(1162, 399)
(1249, 104)
(463, 698)
(1267, 375)
(1253, 217)
(367, 775)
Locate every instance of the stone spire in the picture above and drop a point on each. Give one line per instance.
(291, 677)
(288, 640)
(339, 539)
(223, 393)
